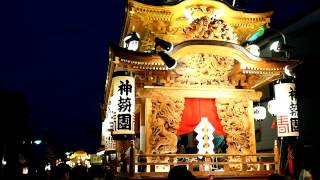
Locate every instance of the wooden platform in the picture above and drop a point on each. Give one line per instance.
(206, 177)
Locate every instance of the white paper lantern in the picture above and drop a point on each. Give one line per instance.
(107, 125)
(124, 93)
(259, 113)
(273, 107)
(287, 107)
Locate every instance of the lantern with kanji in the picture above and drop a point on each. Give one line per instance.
(287, 113)
(123, 84)
(107, 125)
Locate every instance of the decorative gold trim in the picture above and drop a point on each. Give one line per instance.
(156, 91)
(232, 50)
(248, 61)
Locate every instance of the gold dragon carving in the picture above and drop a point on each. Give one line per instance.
(235, 122)
(204, 70)
(210, 28)
(207, 24)
(166, 116)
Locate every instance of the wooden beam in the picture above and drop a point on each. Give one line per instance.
(155, 91)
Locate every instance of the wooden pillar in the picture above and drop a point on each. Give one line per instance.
(148, 131)
(276, 157)
(142, 127)
(244, 163)
(132, 159)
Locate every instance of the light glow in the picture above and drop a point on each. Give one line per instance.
(47, 167)
(275, 46)
(188, 15)
(4, 162)
(288, 71)
(217, 14)
(100, 153)
(37, 142)
(254, 49)
(25, 170)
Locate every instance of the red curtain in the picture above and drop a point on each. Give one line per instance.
(290, 160)
(194, 109)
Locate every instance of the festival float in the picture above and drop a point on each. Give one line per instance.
(184, 74)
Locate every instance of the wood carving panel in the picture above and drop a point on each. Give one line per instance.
(210, 28)
(204, 70)
(196, 19)
(234, 117)
(197, 22)
(166, 116)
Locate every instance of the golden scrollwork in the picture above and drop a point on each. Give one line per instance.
(204, 70)
(233, 114)
(166, 116)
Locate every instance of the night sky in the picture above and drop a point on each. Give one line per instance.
(55, 54)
